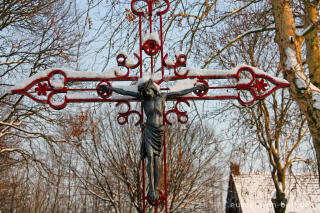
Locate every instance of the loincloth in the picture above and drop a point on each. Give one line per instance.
(151, 141)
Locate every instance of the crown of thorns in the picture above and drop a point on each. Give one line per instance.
(146, 85)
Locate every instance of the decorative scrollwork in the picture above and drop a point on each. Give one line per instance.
(165, 10)
(243, 70)
(120, 74)
(182, 116)
(181, 61)
(53, 83)
(247, 102)
(53, 104)
(122, 60)
(149, 2)
(150, 9)
(124, 116)
(57, 87)
(136, 12)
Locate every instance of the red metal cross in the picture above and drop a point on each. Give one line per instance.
(45, 86)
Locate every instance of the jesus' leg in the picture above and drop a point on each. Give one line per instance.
(156, 174)
(150, 171)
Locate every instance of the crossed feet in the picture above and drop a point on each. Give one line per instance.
(153, 195)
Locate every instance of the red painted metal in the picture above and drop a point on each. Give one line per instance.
(122, 58)
(181, 115)
(44, 88)
(143, 187)
(45, 91)
(165, 162)
(123, 116)
(151, 47)
(104, 94)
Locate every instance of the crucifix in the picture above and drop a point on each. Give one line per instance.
(58, 87)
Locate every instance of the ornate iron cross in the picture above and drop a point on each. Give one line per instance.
(76, 86)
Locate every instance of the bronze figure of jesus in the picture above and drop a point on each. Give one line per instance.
(153, 129)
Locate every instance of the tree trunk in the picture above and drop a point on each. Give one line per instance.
(312, 42)
(280, 203)
(287, 40)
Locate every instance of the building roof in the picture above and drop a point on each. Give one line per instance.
(255, 191)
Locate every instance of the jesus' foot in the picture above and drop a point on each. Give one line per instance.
(153, 195)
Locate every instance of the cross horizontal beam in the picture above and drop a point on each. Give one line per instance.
(45, 85)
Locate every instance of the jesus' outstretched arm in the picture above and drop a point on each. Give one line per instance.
(120, 91)
(185, 92)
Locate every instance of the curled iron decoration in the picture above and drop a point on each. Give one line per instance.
(165, 10)
(248, 69)
(246, 86)
(133, 2)
(158, 202)
(150, 9)
(55, 72)
(57, 90)
(124, 116)
(104, 94)
(54, 105)
(122, 61)
(182, 116)
(181, 61)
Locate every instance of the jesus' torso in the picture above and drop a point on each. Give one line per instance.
(153, 108)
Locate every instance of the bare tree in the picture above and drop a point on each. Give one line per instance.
(34, 35)
(37, 34)
(303, 76)
(109, 167)
(274, 128)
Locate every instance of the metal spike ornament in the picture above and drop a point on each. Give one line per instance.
(58, 87)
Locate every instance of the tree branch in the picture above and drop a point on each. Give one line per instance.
(236, 39)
